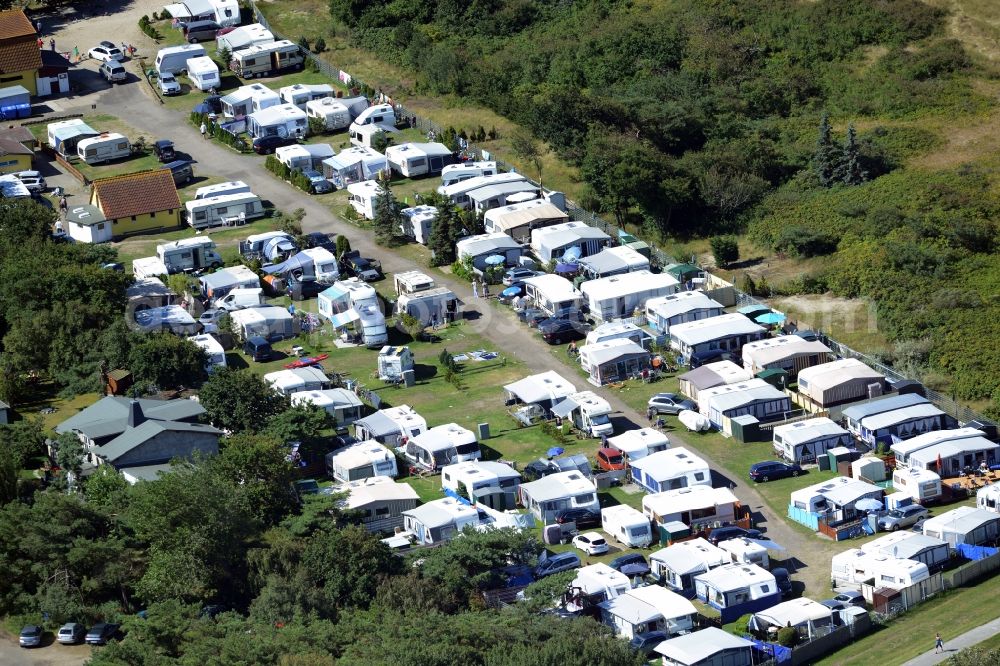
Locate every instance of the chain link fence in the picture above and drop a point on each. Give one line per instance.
(658, 257)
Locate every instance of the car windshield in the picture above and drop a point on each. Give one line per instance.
(597, 542)
(167, 78)
(600, 420)
(895, 514)
(615, 460)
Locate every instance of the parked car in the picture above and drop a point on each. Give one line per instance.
(670, 403)
(720, 534)
(31, 636)
(632, 564)
(513, 275)
(354, 264)
(319, 239)
(770, 470)
(556, 331)
(582, 517)
(164, 150)
(71, 633)
(113, 71)
(557, 564)
(844, 600)
(200, 31)
(211, 105)
(317, 183)
(34, 181)
(701, 358)
(783, 579)
(106, 51)
(646, 642)
(265, 145)
(591, 543)
(258, 348)
(168, 84)
(904, 516)
(303, 290)
(610, 459)
(101, 633)
(918, 526)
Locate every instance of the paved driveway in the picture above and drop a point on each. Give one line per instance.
(136, 104)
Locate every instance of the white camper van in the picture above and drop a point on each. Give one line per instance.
(332, 112)
(363, 198)
(223, 209)
(380, 114)
(215, 354)
(626, 525)
(203, 73)
(103, 148)
(230, 187)
(173, 59)
(456, 173)
(238, 299)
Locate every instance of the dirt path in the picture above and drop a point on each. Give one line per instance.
(499, 326)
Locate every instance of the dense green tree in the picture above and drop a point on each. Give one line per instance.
(302, 423)
(22, 440)
(828, 155)
(69, 456)
(387, 219)
(526, 148)
(725, 249)
(850, 171)
(168, 361)
(10, 472)
(240, 401)
(442, 239)
(256, 469)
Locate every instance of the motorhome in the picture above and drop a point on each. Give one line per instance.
(301, 94)
(441, 445)
(203, 73)
(332, 112)
(456, 173)
(361, 461)
(637, 444)
(471, 477)
(379, 114)
(231, 187)
(174, 59)
(224, 209)
(266, 59)
(627, 526)
(588, 412)
(853, 567)
(248, 99)
(416, 222)
(353, 306)
(237, 299)
(218, 284)
(189, 254)
(103, 148)
(215, 355)
(391, 426)
(671, 469)
(324, 264)
(418, 159)
(285, 120)
(364, 197)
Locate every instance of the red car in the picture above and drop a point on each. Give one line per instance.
(610, 459)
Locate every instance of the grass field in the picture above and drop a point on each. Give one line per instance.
(952, 614)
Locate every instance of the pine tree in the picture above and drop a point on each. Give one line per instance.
(850, 171)
(386, 222)
(827, 156)
(441, 242)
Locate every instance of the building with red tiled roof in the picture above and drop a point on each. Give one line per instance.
(20, 57)
(138, 202)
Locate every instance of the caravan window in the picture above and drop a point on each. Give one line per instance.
(699, 476)
(382, 511)
(222, 210)
(463, 449)
(420, 161)
(584, 499)
(199, 215)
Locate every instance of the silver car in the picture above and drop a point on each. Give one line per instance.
(71, 633)
(904, 516)
(33, 180)
(168, 84)
(31, 636)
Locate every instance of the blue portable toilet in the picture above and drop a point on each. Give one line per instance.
(15, 102)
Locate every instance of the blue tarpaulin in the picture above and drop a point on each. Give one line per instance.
(975, 552)
(780, 653)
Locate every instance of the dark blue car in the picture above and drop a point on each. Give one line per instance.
(770, 470)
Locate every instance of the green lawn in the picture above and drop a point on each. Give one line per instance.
(952, 614)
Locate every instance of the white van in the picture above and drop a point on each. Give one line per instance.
(103, 148)
(223, 209)
(214, 353)
(238, 299)
(174, 59)
(230, 187)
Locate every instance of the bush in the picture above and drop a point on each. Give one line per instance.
(788, 637)
(343, 244)
(223, 57)
(319, 46)
(725, 249)
(802, 242)
(350, 214)
(304, 43)
(463, 269)
(316, 126)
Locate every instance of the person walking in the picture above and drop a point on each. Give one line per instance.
(38, 27)
(475, 289)
(63, 206)
(938, 643)
(52, 43)
(486, 290)
(203, 130)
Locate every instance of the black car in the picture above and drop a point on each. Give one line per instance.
(646, 643)
(536, 469)
(354, 264)
(632, 564)
(101, 633)
(557, 331)
(209, 105)
(783, 579)
(265, 145)
(773, 469)
(582, 517)
(164, 149)
(720, 534)
(302, 290)
(319, 239)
